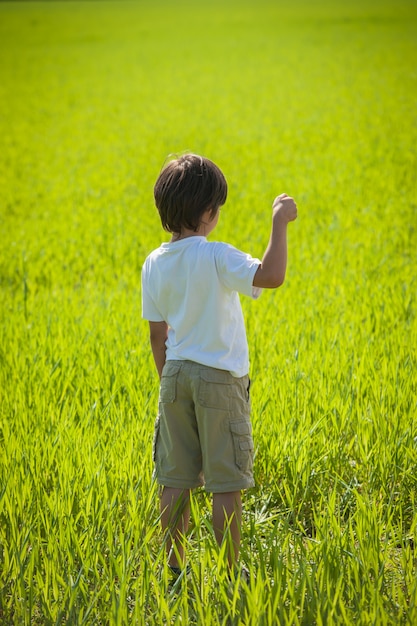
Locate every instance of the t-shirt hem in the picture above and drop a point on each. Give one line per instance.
(234, 373)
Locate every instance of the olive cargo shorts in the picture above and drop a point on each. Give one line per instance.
(203, 433)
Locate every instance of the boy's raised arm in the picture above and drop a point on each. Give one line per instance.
(158, 332)
(271, 273)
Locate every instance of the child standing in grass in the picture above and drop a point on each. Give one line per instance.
(190, 288)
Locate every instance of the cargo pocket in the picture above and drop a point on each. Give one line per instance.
(243, 444)
(215, 389)
(168, 389)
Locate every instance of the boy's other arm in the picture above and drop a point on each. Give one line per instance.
(158, 333)
(271, 273)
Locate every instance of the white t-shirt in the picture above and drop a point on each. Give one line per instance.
(193, 285)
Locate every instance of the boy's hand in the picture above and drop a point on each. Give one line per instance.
(271, 272)
(284, 208)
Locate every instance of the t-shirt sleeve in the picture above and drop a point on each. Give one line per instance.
(150, 311)
(237, 269)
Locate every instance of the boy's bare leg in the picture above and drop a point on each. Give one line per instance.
(175, 517)
(227, 518)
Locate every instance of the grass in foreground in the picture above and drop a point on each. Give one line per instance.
(312, 100)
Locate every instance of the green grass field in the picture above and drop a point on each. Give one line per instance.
(317, 99)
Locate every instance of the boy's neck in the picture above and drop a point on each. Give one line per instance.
(207, 224)
(185, 235)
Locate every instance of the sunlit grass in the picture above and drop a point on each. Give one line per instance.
(315, 99)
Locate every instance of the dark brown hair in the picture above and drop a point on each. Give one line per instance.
(186, 188)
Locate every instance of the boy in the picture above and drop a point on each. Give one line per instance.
(190, 287)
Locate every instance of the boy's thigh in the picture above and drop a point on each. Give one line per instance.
(225, 430)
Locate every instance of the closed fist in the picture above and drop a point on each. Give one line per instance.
(284, 208)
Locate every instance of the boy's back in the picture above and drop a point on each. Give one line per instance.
(193, 286)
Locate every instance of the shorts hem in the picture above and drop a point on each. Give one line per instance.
(223, 488)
